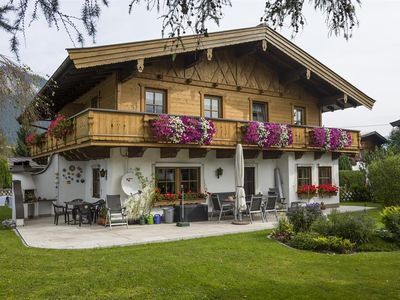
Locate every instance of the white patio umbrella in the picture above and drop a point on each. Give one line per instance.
(239, 180)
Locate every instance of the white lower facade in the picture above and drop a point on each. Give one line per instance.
(61, 180)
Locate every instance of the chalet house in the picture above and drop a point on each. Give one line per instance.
(251, 86)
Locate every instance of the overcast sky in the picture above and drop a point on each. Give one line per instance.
(370, 59)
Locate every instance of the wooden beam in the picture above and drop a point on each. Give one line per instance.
(298, 155)
(264, 45)
(251, 154)
(295, 75)
(225, 153)
(140, 65)
(209, 53)
(136, 151)
(335, 155)
(192, 59)
(332, 99)
(272, 154)
(169, 152)
(198, 152)
(318, 154)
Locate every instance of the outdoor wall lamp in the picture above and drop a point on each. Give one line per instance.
(219, 172)
(103, 173)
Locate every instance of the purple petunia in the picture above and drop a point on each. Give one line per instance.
(267, 135)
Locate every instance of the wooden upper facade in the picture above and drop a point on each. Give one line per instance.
(234, 77)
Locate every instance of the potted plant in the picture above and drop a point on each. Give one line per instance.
(102, 218)
(327, 190)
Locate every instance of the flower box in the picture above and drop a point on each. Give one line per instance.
(60, 127)
(182, 130)
(306, 191)
(178, 202)
(35, 139)
(330, 139)
(267, 135)
(327, 190)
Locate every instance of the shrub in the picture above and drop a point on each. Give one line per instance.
(301, 218)
(384, 179)
(283, 232)
(356, 228)
(315, 242)
(351, 178)
(391, 220)
(360, 193)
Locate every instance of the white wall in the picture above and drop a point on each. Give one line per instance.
(47, 182)
(70, 189)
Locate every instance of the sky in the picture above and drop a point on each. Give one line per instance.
(370, 60)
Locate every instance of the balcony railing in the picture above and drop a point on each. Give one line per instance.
(101, 127)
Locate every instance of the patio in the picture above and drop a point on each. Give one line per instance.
(42, 233)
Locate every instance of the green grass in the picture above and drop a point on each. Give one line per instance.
(229, 267)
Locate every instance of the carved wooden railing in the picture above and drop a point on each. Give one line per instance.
(101, 127)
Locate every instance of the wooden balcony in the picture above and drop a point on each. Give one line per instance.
(112, 128)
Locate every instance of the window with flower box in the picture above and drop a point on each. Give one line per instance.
(304, 176)
(155, 101)
(169, 180)
(324, 175)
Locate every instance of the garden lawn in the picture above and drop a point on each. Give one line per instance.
(228, 267)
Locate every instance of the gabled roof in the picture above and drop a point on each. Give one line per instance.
(375, 137)
(98, 62)
(395, 123)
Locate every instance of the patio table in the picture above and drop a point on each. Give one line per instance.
(75, 205)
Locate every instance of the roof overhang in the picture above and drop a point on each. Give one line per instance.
(86, 67)
(374, 137)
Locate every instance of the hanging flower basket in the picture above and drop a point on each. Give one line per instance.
(60, 127)
(182, 130)
(35, 139)
(267, 135)
(330, 139)
(327, 190)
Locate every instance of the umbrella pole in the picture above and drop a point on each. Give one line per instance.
(182, 222)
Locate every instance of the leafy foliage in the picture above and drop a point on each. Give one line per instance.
(344, 163)
(350, 178)
(358, 228)
(283, 232)
(340, 14)
(315, 242)
(5, 174)
(391, 220)
(301, 218)
(21, 148)
(384, 180)
(394, 140)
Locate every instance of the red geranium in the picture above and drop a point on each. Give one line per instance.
(60, 127)
(329, 189)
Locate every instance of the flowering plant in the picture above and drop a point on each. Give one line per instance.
(266, 135)
(60, 127)
(330, 139)
(307, 190)
(172, 197)
(327, 189)
(183, 130)
(34, 138)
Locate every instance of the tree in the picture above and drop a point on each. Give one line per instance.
(21, 149)
(394, 140)
(344, 163)
(5, 174)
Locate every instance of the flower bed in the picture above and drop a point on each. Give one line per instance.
(60, 127)
(34, 139)
(330, 139)
(267, 135)
(182, 130)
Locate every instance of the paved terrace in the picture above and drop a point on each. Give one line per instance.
(42, 233)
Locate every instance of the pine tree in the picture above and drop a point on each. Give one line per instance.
(21, 148)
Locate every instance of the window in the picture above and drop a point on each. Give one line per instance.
(155, 101)
(298, 116)
(96, 183)
(260, 111)
(94, 102)
(169, 180)
(249, 181)
(324, 175)
(304, 176)
(212, 107)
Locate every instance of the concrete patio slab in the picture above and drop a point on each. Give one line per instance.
(42, 233)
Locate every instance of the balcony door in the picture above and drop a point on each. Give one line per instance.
(249, 180)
